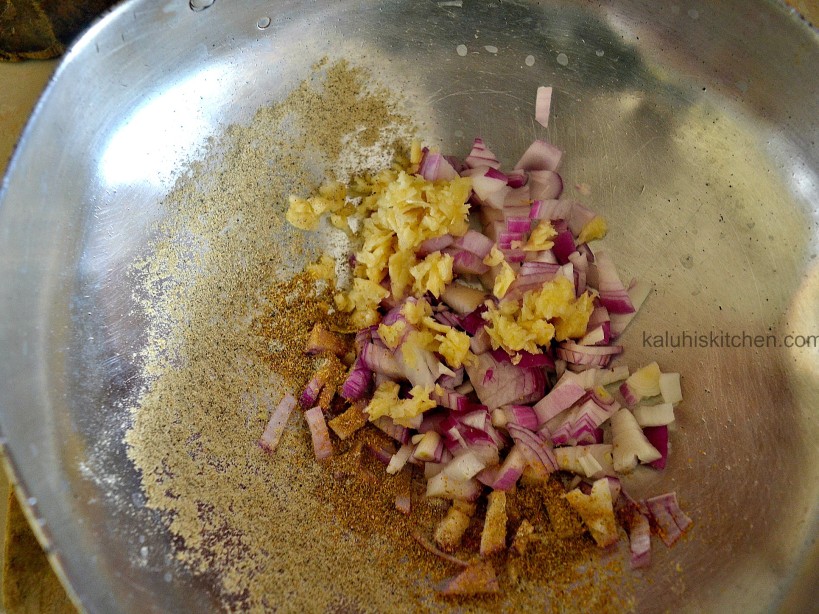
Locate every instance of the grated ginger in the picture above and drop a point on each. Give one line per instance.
(396, 212)
(385, 402)
(551, 312)
(596, 228)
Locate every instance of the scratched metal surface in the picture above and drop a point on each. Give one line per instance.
(694, 124)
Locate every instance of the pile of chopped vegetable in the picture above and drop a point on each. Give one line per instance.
(487, 355)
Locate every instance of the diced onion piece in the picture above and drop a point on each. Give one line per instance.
(544, 186)
(403, 498)
(629, 443)
(318, 430)
(275, 426)
(463, 299)
(543, 105)
(451, 529)
(433, 469)
(615, 486)
(658, 437)
(400, 458)
(523, 536)
(613, 295)
(637, 293)
(670, 388)
(396, 431)
(597, 512)
(609, 376)
(493, 537)
(429, 447)
(464, 466)
(476, 579)
(639, 535)
(593, 377)
(486, 453)
(322, 340)
(447, 487)
(540, 156)
(511, 469)
(565, 394)
(671, 521)
(644, 382)
(654, 415)
(592, 461)
(432, 549)
(344, 425)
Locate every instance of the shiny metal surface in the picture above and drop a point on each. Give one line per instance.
(694, 125)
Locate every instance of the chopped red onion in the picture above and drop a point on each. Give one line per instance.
(476, 579)
(403, 498)
(463, 300)
(434, 244)
(511, 469)
(530, 268)
(661, 414)
(593, 461)
(543, 105)
(563, 246)
(517, 197)
(278, 420)
(639, 532)
(381, 453)
(400, 458)
(311, 392)
(525, 359)
(534, 448)
(430, 448)
(637, 294)
(464, 466)
(466, 263)
(516, 178)
(594, 355)
(452, 381)
(540, 156)
(670, 520)
(358, 382)
(489, 188)
(613, 295)
(322, 446)
(560, 398)
(396, 431)
(526, 283)
(378, 358)
(578, 218)
(658, 437)
(630, 444)
(435, 167)
(474, 321)
(545, 185)
(498, 383)
(670, 387)
(447, 487)
(518, 226)
(481, 155)
(475, 242)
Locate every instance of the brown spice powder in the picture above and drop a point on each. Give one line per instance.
(282, 531)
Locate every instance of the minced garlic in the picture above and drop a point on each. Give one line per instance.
(549, 312)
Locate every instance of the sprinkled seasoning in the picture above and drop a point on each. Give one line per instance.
(229, 308)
